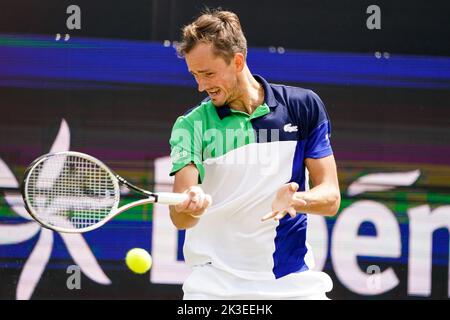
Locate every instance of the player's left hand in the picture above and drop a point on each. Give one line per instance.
(284, 202)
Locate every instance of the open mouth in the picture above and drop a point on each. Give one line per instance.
(214, 93)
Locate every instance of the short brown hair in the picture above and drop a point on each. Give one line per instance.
(221, 28)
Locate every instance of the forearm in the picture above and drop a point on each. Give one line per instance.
(182, 220)
(182, 215)
(323, 200)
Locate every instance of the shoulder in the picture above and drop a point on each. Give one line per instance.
(303, 105)
(198, 113)
(200, 109)
(295, 97)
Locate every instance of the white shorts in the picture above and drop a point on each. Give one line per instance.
(209, 283)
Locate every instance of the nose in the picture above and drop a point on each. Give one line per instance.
(201, 85)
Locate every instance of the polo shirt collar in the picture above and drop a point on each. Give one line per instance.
(269, 97)
(223, 111)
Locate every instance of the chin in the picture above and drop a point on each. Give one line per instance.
(218, 103)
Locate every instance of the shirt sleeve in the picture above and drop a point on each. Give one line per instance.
(186, 147)
(318, 143)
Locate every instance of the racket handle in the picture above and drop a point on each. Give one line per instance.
(171, 198)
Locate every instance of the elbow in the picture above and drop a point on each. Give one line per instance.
(176, 222)
(179, 222)
(179, 226)
(335, 203)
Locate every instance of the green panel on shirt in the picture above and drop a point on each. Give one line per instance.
(201, 135)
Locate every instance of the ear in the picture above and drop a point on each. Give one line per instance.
(239, 61)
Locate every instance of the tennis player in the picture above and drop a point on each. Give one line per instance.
(250, 145)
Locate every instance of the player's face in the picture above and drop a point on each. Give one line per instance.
(213, 74)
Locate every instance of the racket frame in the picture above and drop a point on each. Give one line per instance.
(164, 197)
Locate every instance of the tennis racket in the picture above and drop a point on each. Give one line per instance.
(74, 192)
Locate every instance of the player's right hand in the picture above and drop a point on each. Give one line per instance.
(196, 204)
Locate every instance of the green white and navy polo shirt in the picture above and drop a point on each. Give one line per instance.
(242, 160)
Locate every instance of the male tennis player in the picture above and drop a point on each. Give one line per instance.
(248, 145)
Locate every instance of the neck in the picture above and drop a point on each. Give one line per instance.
(251, 93)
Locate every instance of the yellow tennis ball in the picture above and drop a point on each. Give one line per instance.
(138, 260)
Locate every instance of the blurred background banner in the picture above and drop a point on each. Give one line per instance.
(102, 77)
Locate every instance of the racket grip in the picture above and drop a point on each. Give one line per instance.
(171, 198)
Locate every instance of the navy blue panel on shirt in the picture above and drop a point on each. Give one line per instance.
(298, 115)
(290, 246)
(295, 112)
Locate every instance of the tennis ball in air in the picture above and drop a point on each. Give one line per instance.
(138, 260)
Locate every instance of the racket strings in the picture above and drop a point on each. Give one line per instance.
(71, 192)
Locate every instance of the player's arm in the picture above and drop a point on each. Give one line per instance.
(323, 199)
(186, 215)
